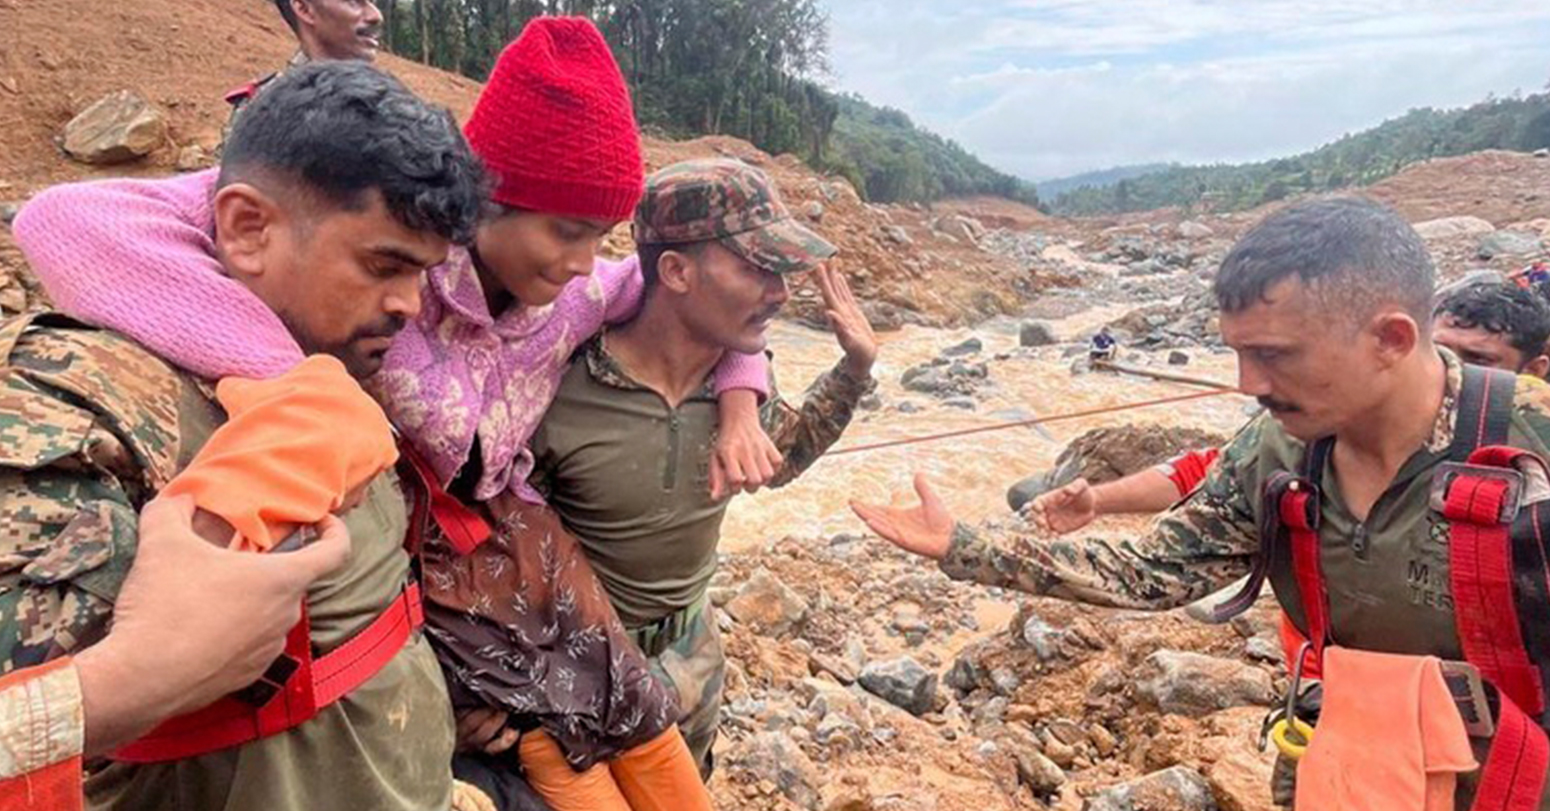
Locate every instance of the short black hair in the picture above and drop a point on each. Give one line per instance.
(336, 130)
(1501, 308)
(1356, 254)
(651, 254)
(289, 14)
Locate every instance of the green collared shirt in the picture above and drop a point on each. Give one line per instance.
(630, 475)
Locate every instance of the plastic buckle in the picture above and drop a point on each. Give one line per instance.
(1448, 473)
(1468, 691)
(270, 684)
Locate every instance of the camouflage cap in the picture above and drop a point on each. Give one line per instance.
(732, 203)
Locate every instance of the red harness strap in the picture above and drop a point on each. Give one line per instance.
(291, 693)
(1480, 559)
(1481, 578)
(1295, 505)
(463, 528)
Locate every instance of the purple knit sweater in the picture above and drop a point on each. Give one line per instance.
(138, 256)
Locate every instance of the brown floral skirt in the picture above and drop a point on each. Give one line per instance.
(523, 625)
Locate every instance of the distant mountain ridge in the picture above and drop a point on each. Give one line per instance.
(1101, 179)
(1516, 123)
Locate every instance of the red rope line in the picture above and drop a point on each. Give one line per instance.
(1092, 412)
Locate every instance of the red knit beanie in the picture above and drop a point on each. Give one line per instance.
(555, 127)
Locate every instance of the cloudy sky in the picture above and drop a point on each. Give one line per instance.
(1048, 88)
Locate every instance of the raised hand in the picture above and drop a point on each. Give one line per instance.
(926, 530)
(851, 328)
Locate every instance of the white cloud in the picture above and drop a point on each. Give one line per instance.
(1052, 87)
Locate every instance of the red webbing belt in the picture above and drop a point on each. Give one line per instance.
(1481, 572)
(463, 528)
(1309, 573)
(313, 685)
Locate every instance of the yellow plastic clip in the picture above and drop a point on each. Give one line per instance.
(1292, 736)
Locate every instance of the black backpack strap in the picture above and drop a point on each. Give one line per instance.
(1273, 547)
(1484, 410)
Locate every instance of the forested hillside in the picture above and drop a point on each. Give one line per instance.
(746, 68)
(1363, 158)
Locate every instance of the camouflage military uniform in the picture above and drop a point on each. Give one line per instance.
(91, 427)
(630, 478)
(629, 475)
(1387, 576)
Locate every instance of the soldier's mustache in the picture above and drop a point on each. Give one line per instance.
(1276, 406)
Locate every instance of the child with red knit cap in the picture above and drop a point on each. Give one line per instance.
(521, 623)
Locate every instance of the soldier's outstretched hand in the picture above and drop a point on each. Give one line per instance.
(926, 530)
(850, 325)
(1065, 509)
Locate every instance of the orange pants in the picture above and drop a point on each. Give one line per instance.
(659, 775)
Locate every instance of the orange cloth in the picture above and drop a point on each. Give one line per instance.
(1389, 737)
(292, 449)
(46, 738)
(659, 775)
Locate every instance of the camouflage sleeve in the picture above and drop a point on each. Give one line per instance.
(803, 435)
(81, 423)
(1194, 549)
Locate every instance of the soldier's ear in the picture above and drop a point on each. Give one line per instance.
(304, 11)
(245, 229)
(1538, 367)
(674, 270)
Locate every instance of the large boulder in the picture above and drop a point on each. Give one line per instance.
(767, 605)
(1176, 789)
(118, 128)
(1106, 454)
(901, 682)
(1453, 227)
(774, 757)
(1036, 333)
(1189, 229)
(1197, 685)
(1509, 243)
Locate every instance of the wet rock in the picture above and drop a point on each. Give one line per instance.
(903, 683)
(963, 403)
(1176, 789)
(837, 731)
(1542, 153)
(1036, 333)
(843, 672)
(965, 229)
(1102, 739)
(1264, 649)
(1453, 227)
(813, 211)
(774, 757)
(967, 673)
(1177, 358)
(192, 158)
(884, 316)
(8, 212)
(909, 407)
(871, 402)
(1195, 685)
(119, 127)
(1040, 774)
(969, 347)
(767, 605)
(1189, 229)
(1043, 638)
(1106, 454)
(927, 380)
(1509, 243)
(1145, 267)
(1005, 681)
